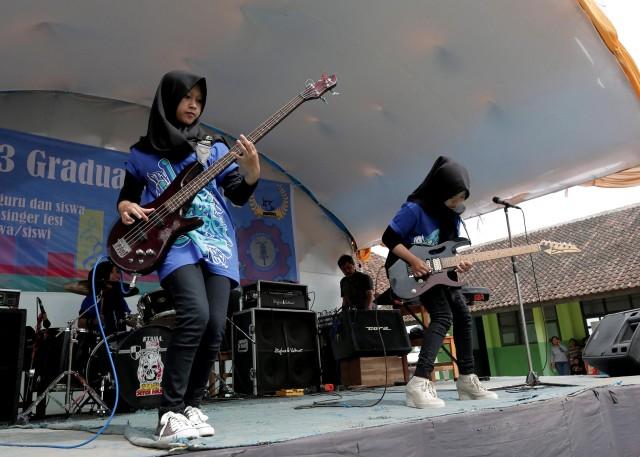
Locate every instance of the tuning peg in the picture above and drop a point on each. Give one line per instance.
(324, 100)
(333, 92)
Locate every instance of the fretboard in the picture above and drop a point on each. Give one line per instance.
(448, 262)
(194, 186)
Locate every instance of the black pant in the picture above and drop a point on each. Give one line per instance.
(446, 305)
(201, 299)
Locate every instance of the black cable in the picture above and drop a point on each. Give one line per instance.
(342, 404)
(535, 282)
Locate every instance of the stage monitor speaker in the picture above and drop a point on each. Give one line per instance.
(282, 355)
(614, 346)
(357, 333)
(12, 330)
(269, 294)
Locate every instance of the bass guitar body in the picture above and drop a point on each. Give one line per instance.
(143, 245)
(407, 286)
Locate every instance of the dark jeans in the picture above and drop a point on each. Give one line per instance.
(201, 299)
(446, 305)
(563, 368)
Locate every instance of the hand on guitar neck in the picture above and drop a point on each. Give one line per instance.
(131, 212)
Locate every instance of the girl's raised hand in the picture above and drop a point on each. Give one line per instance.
(248, 160)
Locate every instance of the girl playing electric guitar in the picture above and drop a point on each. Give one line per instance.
(431, 215)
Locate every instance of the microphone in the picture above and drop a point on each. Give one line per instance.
(46, 323)
(500, 201)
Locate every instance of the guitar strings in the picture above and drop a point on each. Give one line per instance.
(199, 181)
(141, 231)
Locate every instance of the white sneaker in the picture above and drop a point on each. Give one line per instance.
(174, 426)
(470, 388)
(421, 393)
(199, 421)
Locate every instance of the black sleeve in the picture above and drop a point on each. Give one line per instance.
(131, 189)
(368, 282)
(390, 238)
(236, 188)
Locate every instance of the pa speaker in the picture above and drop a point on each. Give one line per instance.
(274, 349)
(369, 333)
(614, 346)
(12, 330)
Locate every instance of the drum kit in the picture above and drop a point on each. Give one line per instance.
(74, 359)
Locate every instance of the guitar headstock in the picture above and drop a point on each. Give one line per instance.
(317, 89)
(553, 247)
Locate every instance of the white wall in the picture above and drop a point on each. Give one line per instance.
(319, 243)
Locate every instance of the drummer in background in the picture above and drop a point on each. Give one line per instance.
(110, 301)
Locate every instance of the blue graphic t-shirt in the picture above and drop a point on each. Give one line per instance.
(415, 226)
(214, 243)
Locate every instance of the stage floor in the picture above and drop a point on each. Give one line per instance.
(571, 415)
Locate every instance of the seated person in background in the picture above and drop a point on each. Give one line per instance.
(356, 288)
(110, 301)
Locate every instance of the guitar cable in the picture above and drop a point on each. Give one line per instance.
(117, 384)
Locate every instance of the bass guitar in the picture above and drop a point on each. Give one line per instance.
(442, 259)
(140, 247)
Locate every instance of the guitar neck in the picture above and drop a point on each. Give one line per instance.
(194, 186)
(448, 262)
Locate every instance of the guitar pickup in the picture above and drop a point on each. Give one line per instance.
(121, 247)
(430, 263)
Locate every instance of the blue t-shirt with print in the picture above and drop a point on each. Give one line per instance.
(415, 226)
(214, 243)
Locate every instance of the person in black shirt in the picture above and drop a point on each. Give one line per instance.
(356, 288)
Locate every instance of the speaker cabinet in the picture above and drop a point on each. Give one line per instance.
(12, 330)
(614, 346)
(274, 349)
(367, 333)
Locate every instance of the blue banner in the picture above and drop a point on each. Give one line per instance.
(58, 203)
(264, 227)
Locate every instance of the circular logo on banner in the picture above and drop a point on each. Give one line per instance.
(271, 207)
(265, 254)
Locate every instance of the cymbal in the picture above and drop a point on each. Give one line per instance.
(82, 287)
(78, 287)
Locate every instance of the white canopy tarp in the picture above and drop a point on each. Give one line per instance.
(523, 93)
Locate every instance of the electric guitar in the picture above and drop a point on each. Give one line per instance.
(139, 248)
(443, 258)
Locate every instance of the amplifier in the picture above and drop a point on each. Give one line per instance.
(274, 349)
(369, 333)
(269, 294)
(9, 298)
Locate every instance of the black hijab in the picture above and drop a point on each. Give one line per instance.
(446, 179)
(165, 135)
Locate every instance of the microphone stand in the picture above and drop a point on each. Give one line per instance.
(532, 378)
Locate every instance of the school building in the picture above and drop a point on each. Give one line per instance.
(563, 294)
